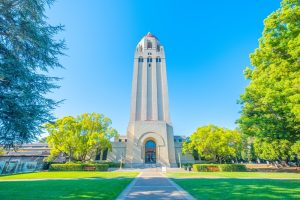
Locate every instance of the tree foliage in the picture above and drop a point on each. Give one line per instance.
(80, 138)
(43, 140)
(247, 152)
(271, 102)
(295, 149)
(214, 143)
(2, 151)
(272, 150)
(28, 51)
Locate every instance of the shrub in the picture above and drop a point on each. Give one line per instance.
(205, 168)
(232, 168)
(113, 164)
(77, 167)
(101, 167)
(187, 164)
(66, 167)
(219, 167)
(46, 165)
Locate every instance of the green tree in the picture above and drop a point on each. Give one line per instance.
(295, 151)
(296, 148)
(247, 152)
(28, 51)
(43, 140)
(271, 102)
(80, 138)
(2, 151)
(272, 150)
(63, 136)
(214, 143)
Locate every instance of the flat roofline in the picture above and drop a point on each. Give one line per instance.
(24, 156)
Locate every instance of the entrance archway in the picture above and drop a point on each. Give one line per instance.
(150, 152)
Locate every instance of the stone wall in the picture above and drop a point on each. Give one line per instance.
(186, 158)
(118, 152)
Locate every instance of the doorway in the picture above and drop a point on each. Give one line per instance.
(150, 152)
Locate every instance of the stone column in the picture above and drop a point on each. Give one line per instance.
(134, 90)
(144, 92)
(166, 113)
(154, 93)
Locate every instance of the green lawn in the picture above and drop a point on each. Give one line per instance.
(107, 188)
(227, 185)
(241, 188)
(49, 175)
(234, 175)
(63, 189)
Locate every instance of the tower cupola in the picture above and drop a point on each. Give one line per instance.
(149, 42)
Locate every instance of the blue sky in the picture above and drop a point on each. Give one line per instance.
(207, 46)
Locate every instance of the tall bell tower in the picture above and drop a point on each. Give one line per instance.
(150, 138)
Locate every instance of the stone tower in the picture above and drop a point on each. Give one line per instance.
(150, 138)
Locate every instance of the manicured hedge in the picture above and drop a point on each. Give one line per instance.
(113, 164)
(206, 168)
(65, 167)
(77, 167)
(233, 168)
(101, 167)
(219, 167)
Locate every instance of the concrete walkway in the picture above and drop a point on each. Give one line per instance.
(152, 186)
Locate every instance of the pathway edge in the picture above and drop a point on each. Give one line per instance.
(186, 195)
(124, 193)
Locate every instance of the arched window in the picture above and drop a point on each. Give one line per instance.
(149, 59)
(141, 59)
(158, 59)
(150, 144)
(149, 45)
(150, 152)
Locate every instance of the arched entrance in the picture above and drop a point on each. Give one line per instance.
(150, 152)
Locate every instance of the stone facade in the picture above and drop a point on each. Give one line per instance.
(118, 152)
(150, 138)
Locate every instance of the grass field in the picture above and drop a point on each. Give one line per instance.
(234, 175)
(239, 185)
(63, 189)
(241, 188)
(53, 175)
(108, 185)
(107, 188)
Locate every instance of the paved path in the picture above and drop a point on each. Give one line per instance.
(152, 186)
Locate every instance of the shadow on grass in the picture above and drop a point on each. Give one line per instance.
(70, 175)
(20, 173)
(241, 188)
(63, 189)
